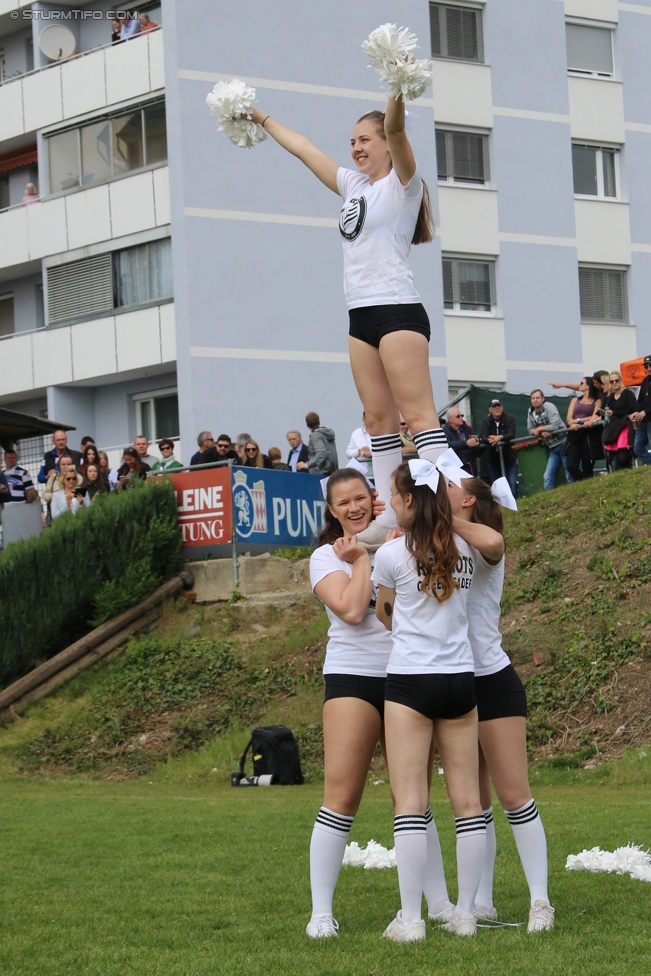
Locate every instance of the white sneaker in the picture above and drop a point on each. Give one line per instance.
(485, 914)
(541, 917)
(322, 927)
(462, 925)
(443, 916)
(397, 931)
(373, 536)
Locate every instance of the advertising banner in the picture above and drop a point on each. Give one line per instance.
(276, 508)
(204, 506)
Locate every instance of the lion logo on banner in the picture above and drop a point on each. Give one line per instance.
(250, 504)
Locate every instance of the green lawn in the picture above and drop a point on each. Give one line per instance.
(184, 878)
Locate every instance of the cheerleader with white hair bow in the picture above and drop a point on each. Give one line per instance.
(501, 703)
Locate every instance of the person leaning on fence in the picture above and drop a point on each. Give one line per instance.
(583, 447)
(642, 416)
(619, 406)
(407, 445)
(461, 438)
(225, 450)
(545, 422)
(321, 450)
(133, 469)
(499, 428)
(71, 496)
(207, 453)
(168, 461)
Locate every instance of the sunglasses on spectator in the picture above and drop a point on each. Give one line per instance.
(647, 365)
(251, 450)
(223, 444)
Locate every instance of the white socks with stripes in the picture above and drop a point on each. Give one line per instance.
(410, 838)
(430, 444)
(531, 842)
(386, 451)
(484, 897)
(471, 847)
(434, 888)
(327, 849)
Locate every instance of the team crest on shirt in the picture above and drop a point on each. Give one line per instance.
(352, 217)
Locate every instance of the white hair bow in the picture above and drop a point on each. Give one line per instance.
(447, 464)
(501, 492)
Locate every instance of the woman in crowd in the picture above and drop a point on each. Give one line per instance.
(133, 469)
(109, 474)
(93, 483)
(89, 456)
(385, 210)
(70, 496)
(423, 582)
(252, 456)
(54, 481)
(501, 706)
(620, 404)
(355, 672)
(583, 446)
(168, 462)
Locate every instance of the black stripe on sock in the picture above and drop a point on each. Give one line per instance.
(334, 821)
(386, 443)
(430, 438)
(488, 816)
(470, 825)
(526, 815)
(428, 816)
(409, 824)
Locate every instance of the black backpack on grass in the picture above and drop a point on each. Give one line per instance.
(274, 754)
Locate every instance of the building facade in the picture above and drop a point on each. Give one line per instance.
(170, 282)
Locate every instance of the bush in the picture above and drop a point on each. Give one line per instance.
(84, 570)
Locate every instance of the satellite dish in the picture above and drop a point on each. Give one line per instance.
(57, 42)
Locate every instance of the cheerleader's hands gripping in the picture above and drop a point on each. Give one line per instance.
(231, 102)
(390, 50)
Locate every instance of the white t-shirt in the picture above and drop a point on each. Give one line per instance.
(376, 225)
(364, 649)
(484, 616)
(428, 637)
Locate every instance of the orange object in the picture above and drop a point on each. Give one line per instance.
(633, 372)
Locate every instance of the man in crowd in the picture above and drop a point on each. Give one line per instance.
(129, 26)
(225, 450)
(544, 421)
(206, 453)
(322, 450)
(409, 449)
(642, 416)
(359, 450)
(21, 486)
(499, 428)
(52, 458)
(87, 440)
(297, 449)
(141, 444)
(460, 437)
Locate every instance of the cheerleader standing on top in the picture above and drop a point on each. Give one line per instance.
(502, 708)
(424, 578)
(386, 209)
(355, 674)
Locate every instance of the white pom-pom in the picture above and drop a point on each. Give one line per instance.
(390, 50)
(631, 860)
(374, 855)
(231, 102)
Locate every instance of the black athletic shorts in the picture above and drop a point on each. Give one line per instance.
(362, 686)
(372, 322)
(500, 695)
(433, 695)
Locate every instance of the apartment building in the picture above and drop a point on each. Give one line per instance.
(167, 281)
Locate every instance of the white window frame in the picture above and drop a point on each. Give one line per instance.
(600, 172)
(627, 314)
(141, 398)
(478, 7)
(466, 130)
(456, 309)
(601, 25)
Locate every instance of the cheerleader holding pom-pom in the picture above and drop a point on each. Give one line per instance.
(385, 210)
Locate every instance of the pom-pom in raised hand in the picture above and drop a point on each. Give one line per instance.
(390, 50)
(231, 102)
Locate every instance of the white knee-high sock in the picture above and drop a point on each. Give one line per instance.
(531, 842)
(327, 849)
(471, 847)
(430, 444)
(410, 838)
(386, 451)
(435, 889)
(485, 891)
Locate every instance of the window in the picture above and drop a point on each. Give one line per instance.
(468, 285)
(4, 191)
(602, 293)
(158, 414)
(455, 32)
(595, 171)
(107, 148)
(589, 50)
(6, 315)
(98, 285)
(462, 157)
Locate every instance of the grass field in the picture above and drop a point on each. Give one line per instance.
(162, 875)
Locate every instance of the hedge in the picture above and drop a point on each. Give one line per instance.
(82, 571)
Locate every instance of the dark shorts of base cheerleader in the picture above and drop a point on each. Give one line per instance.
(362, 686)
(371, 323)
(433, 695)
(500, 695)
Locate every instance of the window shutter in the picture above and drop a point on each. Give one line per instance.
(602, 294)
(461, 33)
(448, 292)
(80, 288)
(441, 155)
(474, 285)
(589, 49)
(468, 156)
(435, 29)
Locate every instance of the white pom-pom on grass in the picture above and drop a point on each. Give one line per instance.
(374, 855)
(631, 860)
(390, 50)
(231, 102)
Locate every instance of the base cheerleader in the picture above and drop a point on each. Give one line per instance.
(355, 674)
